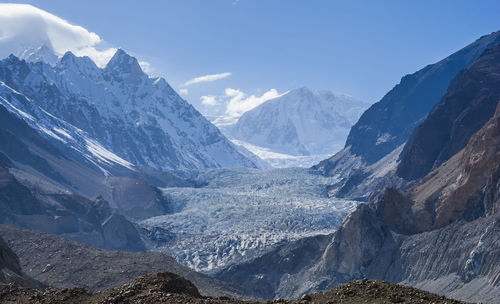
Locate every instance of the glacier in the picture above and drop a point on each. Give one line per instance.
(234, 215)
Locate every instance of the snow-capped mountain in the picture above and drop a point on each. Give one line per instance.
(299, 123)
(118, 112)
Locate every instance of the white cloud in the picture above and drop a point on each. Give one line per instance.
(208, 100)
(240, 103)
(146, 67)
(184, 91)
(24, 26)
(207, 78)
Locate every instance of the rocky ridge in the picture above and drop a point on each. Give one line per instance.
(170, 288)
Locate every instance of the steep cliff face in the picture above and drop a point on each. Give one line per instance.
(387, 125)
(466, 186)
(468, 104)
(389, 122)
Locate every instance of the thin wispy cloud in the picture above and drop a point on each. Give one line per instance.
(207, 78)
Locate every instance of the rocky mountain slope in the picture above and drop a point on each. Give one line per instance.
(52, 210)
(61, 263)
(116, 116)
(468, 104)
(441, 234)
(170, 288)
(10, 269)
(35, 178)
(388, 124)
(298, 123)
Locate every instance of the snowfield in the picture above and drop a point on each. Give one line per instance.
(238, 214)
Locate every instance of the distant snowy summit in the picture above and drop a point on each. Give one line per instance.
(114, 115)
(298, 128)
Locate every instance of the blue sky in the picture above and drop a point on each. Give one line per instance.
(361, 48)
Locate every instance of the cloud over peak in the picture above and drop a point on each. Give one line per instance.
(240, 102)
(24, 26)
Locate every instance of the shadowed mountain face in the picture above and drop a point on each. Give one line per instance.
(374, 147)
(469, 103)
(389, 123)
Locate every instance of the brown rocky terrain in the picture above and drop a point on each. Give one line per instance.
(10, 268)
(171, 288)
(62, 263)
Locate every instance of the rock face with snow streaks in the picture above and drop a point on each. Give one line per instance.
(114, 116)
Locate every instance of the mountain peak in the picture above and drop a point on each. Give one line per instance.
(71, 61)
(301, 90)
(123, 63)
(42, 53)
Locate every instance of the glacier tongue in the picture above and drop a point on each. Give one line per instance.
(238, 214)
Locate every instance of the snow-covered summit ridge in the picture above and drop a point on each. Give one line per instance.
(42, 53)
(301, 122)
(140, 119)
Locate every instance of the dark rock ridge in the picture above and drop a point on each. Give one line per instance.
(72, 216)
(62, 263)
(170, 288)
(468, 104)
(260, 278)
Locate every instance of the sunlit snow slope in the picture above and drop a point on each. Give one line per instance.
(298, 128)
